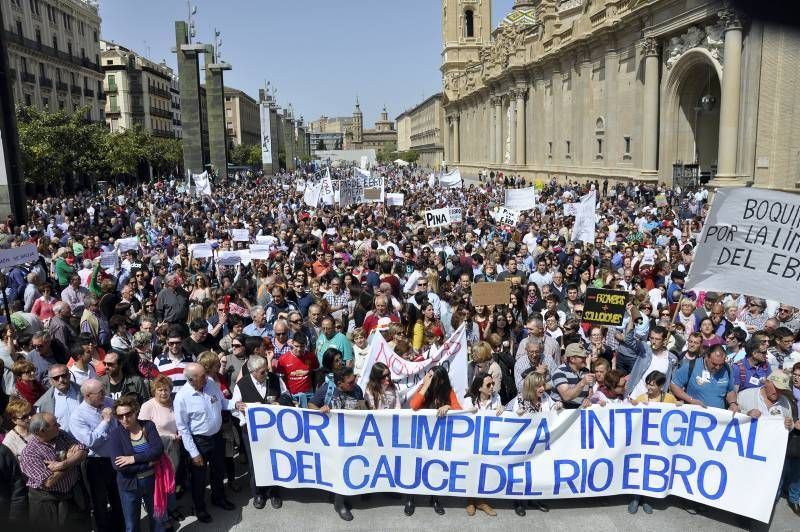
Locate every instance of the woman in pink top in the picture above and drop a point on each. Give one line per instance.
(43, 306)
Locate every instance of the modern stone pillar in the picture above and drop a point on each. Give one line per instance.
(215, 109)
(730, 95)
(520, 135)
(456, 140)
(498, 130)
(492, 132)
(189, 75)
(650, 111)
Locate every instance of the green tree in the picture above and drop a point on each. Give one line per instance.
(126, 150)
(164, 154)
(49, 144)
(254, 156)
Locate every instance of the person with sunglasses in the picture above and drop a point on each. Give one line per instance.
(19, 412)
(174, 359)
(136, 449)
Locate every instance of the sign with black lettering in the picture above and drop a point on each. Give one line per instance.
(437, 217)
(604, 307)
(750, 243)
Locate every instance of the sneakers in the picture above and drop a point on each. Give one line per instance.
(633, 506)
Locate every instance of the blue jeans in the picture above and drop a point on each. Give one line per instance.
(132, 505)
(791, 479)
(302, 399)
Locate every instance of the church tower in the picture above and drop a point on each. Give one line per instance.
(466, 27)
(358, 124)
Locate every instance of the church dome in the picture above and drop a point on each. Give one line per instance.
(523, 14)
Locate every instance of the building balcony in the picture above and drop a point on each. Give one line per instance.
(61, 86)
(159, 92)
(89, 93)
(164, 133)
(176, 105)
(27, 77)
(137, 110)
(16, 38)
(46, 83)
(176, 122)
(75, 90)
(160, 113)
(113, 110)
(110, 88)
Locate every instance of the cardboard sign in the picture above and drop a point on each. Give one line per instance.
(127, 244)
(229, 258)
(604, 307)
(498, 293)
(437, 217)
(521, 199)
(661, 200)
(240, 235)
(108, 261)
(649, 256)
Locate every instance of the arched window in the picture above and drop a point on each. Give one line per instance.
(469, 24)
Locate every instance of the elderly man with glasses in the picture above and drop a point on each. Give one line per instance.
(63, 396)
(91, 425)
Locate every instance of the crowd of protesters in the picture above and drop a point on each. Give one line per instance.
(127, 369)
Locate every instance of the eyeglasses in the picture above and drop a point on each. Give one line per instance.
(578, 312)
(25, 416)
(63, 376)
(236, 346)
(784, 310)
(295, 321)
(422, 284)
(37, 346)
(124, 415)
(111, 364)
(173, 343)
(281, 333)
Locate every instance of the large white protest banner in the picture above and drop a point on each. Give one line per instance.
(20, 255)
(520, 199)
(451, 179)
(395, 199)
(407, 376)
(585, 224)
(437, 217)
(327, 188)
(571, 209)
(240, 235)
(351, 191)
(706, 455)
(266, 139)
(202, 184)
(312, 195)
(750, 243)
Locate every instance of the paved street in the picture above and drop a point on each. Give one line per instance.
(310, 510)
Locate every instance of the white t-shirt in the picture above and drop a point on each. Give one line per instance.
(79, 376)
(658, 363)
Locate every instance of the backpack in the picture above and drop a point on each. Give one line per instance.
(508, 386)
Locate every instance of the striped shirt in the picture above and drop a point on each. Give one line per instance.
(174, 370)
(140, 444)
(565, 375)
(34, 458)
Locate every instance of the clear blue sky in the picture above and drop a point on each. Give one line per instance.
(318, 53)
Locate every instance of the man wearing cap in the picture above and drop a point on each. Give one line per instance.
(572, 381)
(769, 399)
(675, 289)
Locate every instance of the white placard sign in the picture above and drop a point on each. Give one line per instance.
(108, 260)
(520, 199)
(649, 256)
(451, 179)
(228, 258)
(456, 214)
(506, 216)
(706, 455)
(201, 251)
(259, 251)
(240, 235)
(570, 209)
(312, 195)
(20, 255)
(750, 243)
(395, 199)
(128, 244)
(585, 225)
(437, 217)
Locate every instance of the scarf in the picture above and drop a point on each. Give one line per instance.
(165, 484)
(30, 391)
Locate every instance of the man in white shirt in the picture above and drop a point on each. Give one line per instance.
(82, 369)
(541, 276)
(198, 415)
(768, 400)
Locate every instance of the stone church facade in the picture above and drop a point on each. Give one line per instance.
(622, 89)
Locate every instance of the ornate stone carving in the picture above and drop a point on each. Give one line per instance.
(730, 18)
(711, 38)
(649, 47)
(507, 42)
